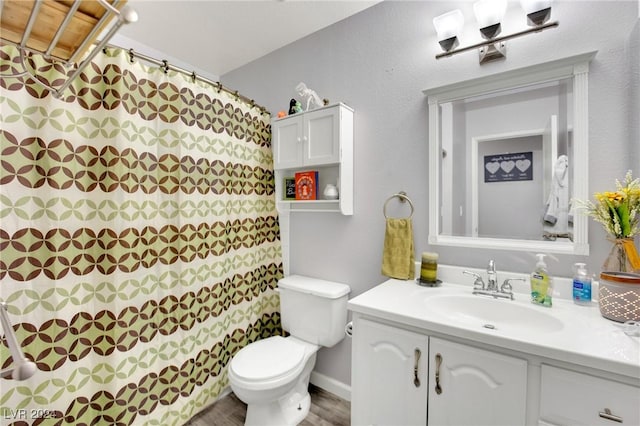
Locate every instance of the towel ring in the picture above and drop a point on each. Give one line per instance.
(403, 197)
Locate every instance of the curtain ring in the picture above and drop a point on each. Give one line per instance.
(131, 56)
(165, 66)
(193, 76)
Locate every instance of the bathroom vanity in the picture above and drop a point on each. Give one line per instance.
(443, 356)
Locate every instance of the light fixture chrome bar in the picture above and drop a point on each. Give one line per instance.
(31, 23)
(498, 39)
(63, 26)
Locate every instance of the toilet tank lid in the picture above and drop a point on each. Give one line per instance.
(317, 287)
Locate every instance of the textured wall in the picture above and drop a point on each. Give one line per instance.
(378, 62)
(634, 105)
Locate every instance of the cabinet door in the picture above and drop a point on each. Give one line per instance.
(322, 136)
(386, 362)
(470, 386)
(287, 142)
(570, 398)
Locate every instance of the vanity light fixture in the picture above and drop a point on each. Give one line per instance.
(448, 27)
(489, 15)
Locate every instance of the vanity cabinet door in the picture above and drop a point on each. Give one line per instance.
(570, 398)
(388, 376)
(470, 386)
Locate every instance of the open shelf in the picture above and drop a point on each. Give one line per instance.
(61, 30)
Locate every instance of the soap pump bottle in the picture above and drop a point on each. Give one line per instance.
(541, 283)
(581, 284)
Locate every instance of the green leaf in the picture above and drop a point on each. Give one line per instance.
(623, 214)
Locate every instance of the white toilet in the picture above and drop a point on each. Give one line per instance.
(272, 375)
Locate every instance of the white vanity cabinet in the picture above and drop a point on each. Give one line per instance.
(390, 386)
(319, 140)
(389, 375)
(471, 386)
(486, 366)
(571, 398)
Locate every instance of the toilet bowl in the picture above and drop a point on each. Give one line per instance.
(272, 377)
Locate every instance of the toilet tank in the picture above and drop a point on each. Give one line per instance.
(313, 310)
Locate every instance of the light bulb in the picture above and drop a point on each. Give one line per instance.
(489, 14)
(448, 27)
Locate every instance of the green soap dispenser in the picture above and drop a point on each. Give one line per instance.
(541, 283)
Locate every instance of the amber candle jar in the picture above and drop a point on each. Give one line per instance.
(429, 268)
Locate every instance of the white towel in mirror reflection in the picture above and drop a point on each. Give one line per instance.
(556, 216)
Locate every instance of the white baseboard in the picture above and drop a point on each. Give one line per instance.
(331, 385)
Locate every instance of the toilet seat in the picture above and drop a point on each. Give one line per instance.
(267, 363)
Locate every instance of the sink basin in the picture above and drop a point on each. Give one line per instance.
(492, 314)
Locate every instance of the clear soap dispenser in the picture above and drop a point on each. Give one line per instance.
(541, 283)
(581, 284)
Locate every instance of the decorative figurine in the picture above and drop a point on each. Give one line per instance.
(294, 106)
(309, 96)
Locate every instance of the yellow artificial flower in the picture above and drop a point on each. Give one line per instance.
(618, 211)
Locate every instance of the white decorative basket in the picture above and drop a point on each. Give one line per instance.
(619, 296)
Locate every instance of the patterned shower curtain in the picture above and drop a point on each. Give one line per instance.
(139, 242)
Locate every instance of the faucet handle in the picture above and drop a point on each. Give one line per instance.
(478, 284)
(506, 285)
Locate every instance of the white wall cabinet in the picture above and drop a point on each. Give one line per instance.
(390, 374)
(471, 386)
(307, 139)
(321, 140)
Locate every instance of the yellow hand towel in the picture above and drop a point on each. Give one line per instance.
(397, 257)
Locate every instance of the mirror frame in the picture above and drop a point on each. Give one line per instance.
(575, 67)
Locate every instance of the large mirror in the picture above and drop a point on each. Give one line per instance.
(508, 154)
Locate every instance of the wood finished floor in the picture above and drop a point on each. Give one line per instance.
(326, 410)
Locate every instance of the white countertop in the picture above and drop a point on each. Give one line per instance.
(585, 337)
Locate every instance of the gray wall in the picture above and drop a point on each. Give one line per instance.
(378, 62)
(634, 90)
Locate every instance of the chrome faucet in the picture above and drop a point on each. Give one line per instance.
(492, 288)
(492, 277)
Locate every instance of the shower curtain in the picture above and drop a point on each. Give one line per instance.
(139, 242)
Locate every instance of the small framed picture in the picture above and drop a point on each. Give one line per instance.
(289, 188)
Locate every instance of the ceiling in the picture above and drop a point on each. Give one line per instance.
(214, 37)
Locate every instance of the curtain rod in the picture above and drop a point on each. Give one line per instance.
(166, 66)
